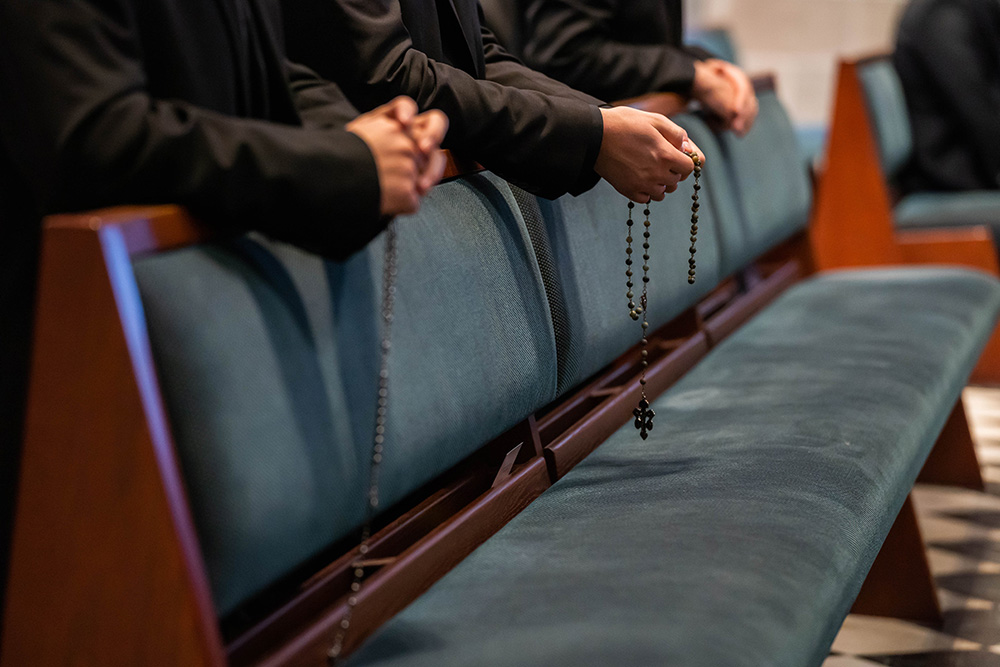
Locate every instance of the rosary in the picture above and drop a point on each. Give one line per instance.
(388, 300)
(644, 413)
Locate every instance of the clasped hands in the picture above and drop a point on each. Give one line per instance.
(725, 90)
(643, 155)
(406, 148)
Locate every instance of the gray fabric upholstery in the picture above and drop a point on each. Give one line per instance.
(771, 183)
(534, 222)
(719, 193)
(268, 360)
(740, 532)
(886, 103)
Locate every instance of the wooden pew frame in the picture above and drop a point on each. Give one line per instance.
(69, 581)
(852, 223)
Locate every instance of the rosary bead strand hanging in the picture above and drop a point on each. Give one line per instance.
(643, 412)
(378, 443)
(694, 213)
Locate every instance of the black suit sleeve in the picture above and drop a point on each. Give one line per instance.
(538, 141)
(320, 103)
(506, 69)
(80, 124)
(571, 41)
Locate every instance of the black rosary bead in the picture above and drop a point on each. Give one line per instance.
(388, 299)
(695, 206)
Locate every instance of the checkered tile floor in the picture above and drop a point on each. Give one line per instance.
(962, 530)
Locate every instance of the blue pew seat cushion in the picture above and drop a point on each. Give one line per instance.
(740, 532)
(950, 209)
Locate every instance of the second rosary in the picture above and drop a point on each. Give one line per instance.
(643, 413)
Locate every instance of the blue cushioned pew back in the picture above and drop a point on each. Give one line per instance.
(718, 193)
(886, 103)
(586, 235)
(769, 181)
(268, 360)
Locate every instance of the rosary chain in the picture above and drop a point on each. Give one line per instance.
(388, 301)
(643, 301)
(633, 313)
(694, 214)
(643, 414)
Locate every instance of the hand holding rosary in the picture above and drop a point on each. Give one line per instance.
(644, 413)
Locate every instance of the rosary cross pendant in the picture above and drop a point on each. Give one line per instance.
(644, 418)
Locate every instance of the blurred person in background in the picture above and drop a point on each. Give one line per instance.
(948, 59)
(619, 49)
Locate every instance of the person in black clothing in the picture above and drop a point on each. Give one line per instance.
(534, 131)
(618, 49)
(948, 59)
(108, 102)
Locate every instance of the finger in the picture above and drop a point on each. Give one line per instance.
(402, 109)
(743, 85)
(658, 195)
(676, 166)
(429, 129)
(432, 174)
(743, 123)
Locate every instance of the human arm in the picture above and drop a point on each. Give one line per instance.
(506, 69)
(547, 145)
(80, 124)
(573, 41)
(523, 135)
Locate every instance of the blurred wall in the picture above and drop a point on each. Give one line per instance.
(800, 41)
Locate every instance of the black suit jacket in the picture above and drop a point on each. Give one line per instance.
(614, 49)
(531, 130)
(106, 102)
(948, 58)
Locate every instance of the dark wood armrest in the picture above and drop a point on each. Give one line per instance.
(457, 167)
(667, 104)
(145, 229)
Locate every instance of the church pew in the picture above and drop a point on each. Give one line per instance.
(857, 220)
(53, 614)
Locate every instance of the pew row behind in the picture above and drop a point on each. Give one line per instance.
(860, 220)
(208, 512)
